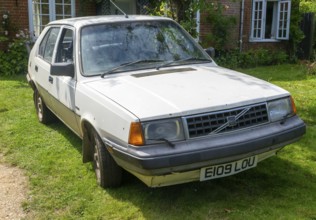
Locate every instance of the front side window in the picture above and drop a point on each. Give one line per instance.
(270, 20)
(65, 47)
(42, 12)
(143, 44)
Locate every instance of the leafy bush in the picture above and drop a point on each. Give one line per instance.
(252, 58)
(221, 24)
(14, 59)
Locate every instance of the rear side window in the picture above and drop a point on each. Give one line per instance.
(48, 43)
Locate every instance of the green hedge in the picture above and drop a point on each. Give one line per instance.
(13, 60)
(252, 58)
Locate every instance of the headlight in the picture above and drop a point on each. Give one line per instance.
(281, 108)
(170, 130)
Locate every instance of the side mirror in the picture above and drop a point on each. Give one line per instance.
(210, 51)
(62, 69)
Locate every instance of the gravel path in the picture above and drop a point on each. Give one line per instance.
(13, 191)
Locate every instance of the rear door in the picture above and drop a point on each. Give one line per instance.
(42, 62)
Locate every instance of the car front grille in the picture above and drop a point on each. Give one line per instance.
(226, 121)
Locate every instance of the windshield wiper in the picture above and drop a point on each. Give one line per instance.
(183, 60)
(128, 64)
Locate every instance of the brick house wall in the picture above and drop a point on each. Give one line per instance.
(18, 13)
(18, 18)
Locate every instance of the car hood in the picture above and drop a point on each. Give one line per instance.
(183, 91)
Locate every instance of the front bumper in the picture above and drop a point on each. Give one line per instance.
(191, 155)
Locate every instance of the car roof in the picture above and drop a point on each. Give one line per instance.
(91, 20)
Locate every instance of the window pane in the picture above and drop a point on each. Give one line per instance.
(257, 18)
(67, 10)
(42, 46)
(50, 44)
(40, 15)
(59, 10)
(45, 9)
(65, 47)
(45, 20)
(284, 19)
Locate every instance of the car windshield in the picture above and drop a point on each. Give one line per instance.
(108, 47)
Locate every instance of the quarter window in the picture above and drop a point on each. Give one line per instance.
(270, 20)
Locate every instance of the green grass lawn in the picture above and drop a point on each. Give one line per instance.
(61, 187)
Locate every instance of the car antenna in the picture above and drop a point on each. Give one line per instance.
(118, 8)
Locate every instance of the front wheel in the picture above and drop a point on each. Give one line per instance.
(107, 172)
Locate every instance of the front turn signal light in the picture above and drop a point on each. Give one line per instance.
(136, 136)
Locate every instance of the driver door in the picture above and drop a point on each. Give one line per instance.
(63, 87)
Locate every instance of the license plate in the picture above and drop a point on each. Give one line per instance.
(228, 169)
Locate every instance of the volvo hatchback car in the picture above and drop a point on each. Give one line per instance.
(144, 97)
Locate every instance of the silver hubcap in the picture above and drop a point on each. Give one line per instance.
(39, 108)
(96, 164)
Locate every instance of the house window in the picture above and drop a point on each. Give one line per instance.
(43, 11)
(270, 20)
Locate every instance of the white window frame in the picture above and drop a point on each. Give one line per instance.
(281, 23)
(52, 15)
(284, 20)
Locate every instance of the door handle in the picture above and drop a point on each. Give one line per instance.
(50, 79)
(36, 68)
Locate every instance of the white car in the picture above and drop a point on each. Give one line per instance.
(146, 98)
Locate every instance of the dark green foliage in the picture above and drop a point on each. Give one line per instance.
(251, 58)
(184, 12)
(14, 55)
(296, 34)
(221, 25)
(14, 59)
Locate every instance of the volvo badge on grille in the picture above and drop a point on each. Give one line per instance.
(232, 121)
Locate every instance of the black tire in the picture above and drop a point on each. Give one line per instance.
(107, 172)
(44, 115)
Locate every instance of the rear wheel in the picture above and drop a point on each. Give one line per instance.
(107, 172)
(44, 115)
